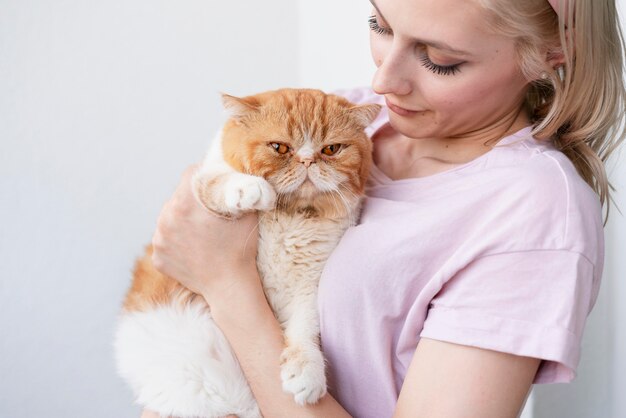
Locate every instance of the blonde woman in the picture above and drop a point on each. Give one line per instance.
(486, 204)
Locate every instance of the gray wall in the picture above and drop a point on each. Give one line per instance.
(102, 105)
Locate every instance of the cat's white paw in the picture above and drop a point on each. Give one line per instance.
(245, 192)
(302, 374)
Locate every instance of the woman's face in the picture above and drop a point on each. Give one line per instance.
(438, 61)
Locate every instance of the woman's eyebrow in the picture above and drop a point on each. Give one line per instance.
(437, 45)
(441, 46)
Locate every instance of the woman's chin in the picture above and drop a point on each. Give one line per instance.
(413, 127)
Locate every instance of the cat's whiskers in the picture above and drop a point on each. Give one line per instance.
(349, 190)
(331, 193)
(256, 228)
(354, 197)
(346, 203)
(290, 182)
(336, 193)
(279, 196)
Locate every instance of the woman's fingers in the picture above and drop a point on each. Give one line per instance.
(197, 248)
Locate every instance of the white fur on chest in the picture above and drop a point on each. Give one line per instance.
(292, 252)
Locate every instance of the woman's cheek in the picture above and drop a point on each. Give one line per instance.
(453, 95)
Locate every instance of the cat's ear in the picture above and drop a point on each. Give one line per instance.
(240, 107)
(365, 114)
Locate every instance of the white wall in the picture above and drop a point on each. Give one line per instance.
(334, 43)
(102, 104)
(615, 321)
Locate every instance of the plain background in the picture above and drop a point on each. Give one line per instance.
(102, 106)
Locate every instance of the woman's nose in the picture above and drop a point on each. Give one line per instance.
(393, 74)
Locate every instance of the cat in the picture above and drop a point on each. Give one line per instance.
(301, 158)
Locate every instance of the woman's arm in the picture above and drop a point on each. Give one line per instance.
(448, 380)
(444, 380)
(256, 337)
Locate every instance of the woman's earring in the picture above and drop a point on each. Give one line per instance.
(544, 75)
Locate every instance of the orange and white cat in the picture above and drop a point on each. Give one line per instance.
(300, 157)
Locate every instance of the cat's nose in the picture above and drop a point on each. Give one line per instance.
(306, 153)
(306, 161)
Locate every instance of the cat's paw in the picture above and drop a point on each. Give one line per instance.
(245, 192)
(302, 374)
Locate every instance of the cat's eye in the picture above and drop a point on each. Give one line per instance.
(331, 149)
(279, 148)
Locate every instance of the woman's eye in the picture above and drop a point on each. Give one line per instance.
(279, 148)
(439, 69)
(373, 22)
(331, 149)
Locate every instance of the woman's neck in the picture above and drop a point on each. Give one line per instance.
(399, 156)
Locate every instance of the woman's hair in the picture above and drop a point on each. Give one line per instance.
(579, 104)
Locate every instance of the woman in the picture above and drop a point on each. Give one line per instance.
(489, 247)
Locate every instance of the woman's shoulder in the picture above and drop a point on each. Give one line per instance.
(543, 191)
(538, 168)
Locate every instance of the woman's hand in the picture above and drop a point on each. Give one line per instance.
(209, 255)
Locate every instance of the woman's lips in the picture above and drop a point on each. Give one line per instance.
(400, 110)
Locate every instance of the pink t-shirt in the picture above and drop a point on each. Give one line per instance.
(504, 253)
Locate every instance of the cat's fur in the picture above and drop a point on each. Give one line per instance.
(167, 346)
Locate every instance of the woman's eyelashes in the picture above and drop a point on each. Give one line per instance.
(424, 58)
(373, 22)
(439, 69)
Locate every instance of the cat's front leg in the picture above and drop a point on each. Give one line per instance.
(302, 363)
(230, 193)
(227, 192)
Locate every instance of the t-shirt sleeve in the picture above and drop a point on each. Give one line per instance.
(528, 303)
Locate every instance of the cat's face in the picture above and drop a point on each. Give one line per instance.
(310, 146)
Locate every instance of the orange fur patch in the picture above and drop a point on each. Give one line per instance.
(150, 288)
(296, 117)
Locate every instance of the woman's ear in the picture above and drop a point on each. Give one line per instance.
(556, 59)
